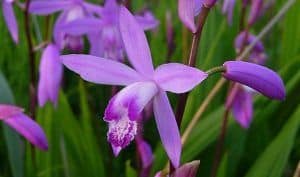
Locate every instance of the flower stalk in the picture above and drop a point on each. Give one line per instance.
(192, 60)
(32, 72)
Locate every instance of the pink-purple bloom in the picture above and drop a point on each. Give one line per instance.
(71, 10)
(255, 9)
(10, 19)
(260, 78)
(187, 10)
(144, 85)
(186, 170)
(24, 125)
(104, 33)
(51, 71)
(146, 156)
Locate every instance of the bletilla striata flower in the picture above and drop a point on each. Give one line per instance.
(188, 9)
(104, 33)
(71, 10)
(10, 19)
(24, 125)
(51, 71)
(240, 99)
(255, 10)
(146, 155)
(257, 77)
(144, 85)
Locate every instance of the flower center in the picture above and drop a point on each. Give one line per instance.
(121, 132)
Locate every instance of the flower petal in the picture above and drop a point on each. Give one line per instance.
(147, 21)
(135, 43)
(10, 20)
(255, 11)
(51, 71)
(93, 8)
(228, 8)
(146, 156)
(48, 7)
(167, 127)
(8, 111)
(257, 77)
(25, 126)
(178, 78)
(186, 10)
(100, 70)
(187, 170)
(242, 107)
(130, 101)
(81, 26)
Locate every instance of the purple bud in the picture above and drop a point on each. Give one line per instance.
(24, 125)
(51, 71)
(209, 3)
(187, 170)
(256, 6)
(146, 155)
(257, 77)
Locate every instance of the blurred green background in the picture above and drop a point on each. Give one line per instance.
(77, 133)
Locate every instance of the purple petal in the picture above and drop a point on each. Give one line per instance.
(51, 71)
(178, 78)
(92, 8)
(45, 7)
(145, 152)
(58, 35)
(167, 127)
(147, 21)
(25, 126)
(81, 26)
(198, 6)
(209, 3)
(256, 7)
(245, 38)
(8, 111)
(10, 20)
(186, 10)
(100, 70)
(135, 43)
(228, 8)
(131, 100)
(96, 44)
(242, 107)
(187, 170)
(257, 77)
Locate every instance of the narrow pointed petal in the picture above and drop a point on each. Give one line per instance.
(51, 71)
(81, 26)
(48, 7)
(187, 170)
(8, 111)
(228, 8)
(145, 152)
(257, 77)
(131, 101)
(186, 13)
(100, 70)
(242, 107)
(116, 150)
(26, 127)
(135, 43)
(178, 78)
(167, 127)
(10, 20)
(147, 21)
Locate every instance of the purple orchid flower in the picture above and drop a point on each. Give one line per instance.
(257, 54)
(186, 170)
(255, 10)
(104, 34)
(51, 71)
(188, 9)
(256, 77)
(24, 125)
(71, 10)
(10, 19)
(143, 85)
(145, 152)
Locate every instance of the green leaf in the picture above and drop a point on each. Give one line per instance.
(13, 141)
(272, 161)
